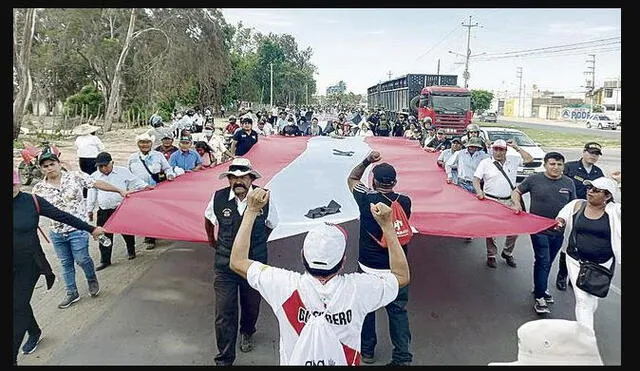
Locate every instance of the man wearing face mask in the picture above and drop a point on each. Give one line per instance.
(225, 209)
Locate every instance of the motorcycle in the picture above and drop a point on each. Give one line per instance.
(29, 167)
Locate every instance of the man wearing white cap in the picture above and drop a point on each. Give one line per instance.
(499, 175)
(320, 313)
(225, 210)
(151, 166)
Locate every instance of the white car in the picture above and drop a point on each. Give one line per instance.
(523, 141)
(601, 121)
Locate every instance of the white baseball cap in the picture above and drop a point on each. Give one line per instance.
(555, 342)
(603, 183)
(324, 246)
(500, 143)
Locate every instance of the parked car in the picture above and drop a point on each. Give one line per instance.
(489, 116)
(601, 121)
(523, 141)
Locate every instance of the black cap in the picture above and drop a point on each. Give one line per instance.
(103, 158)
(47, 156)
(593, 147)
(384, 173)
(246, 119)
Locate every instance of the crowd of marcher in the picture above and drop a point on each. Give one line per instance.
(321, 303)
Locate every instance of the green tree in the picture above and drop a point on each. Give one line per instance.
(481, 100)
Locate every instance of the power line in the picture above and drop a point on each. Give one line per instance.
(554, 49)
(439, 42)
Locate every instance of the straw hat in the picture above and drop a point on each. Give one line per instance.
(85, 129)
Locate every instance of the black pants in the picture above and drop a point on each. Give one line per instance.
(105, 251)
(87, 165)
(25, 277)
(226, 286)
(562, 265)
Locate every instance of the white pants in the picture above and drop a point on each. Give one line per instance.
(586, 304)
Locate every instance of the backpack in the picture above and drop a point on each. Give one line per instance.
(400, 223)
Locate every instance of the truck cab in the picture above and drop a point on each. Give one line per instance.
(448, 107)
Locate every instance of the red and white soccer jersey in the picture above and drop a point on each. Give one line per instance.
(294, 297)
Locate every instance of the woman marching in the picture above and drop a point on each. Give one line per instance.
(29, 261)
(593, 232)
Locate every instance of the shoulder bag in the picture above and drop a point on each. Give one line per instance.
(159, 177)
(592, 277)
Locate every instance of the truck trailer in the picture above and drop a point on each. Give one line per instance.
(423, 95)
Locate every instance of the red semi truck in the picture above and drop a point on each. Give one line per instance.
(434, 96)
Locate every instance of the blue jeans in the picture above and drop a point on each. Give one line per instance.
(398, 329)
(545, 249)
(466, 186)
(73, 247)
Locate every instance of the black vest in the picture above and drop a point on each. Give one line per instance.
(228, 224)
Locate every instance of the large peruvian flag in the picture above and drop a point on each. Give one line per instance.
(305, 173)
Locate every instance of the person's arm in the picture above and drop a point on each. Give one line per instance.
(210, 222)
(92, 198)
(239, 261)
(397, 259)
(166, 167)
(516, 196)
(233, 146)
(448, 165)
(358, 171)
(61, 216)
(526, 156)
(477, 188)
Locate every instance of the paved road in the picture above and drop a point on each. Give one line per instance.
(461, 311)
(568, 127)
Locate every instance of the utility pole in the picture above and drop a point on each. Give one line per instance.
(615, 107)
(466, 65)
(271, 90)
(389, 74)
(438, 71)
(591, 70)
(306, 88)
(519, 76)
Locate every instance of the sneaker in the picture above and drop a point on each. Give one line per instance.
(509, 258)
(94, 288)
(246, 343)
(547, 296)
(491, 262)
(32, 343)
(367, 358)
(150, 246)
(561, 283)
(70, 299)
(540, 306)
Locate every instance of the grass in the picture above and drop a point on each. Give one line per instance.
(561, 140)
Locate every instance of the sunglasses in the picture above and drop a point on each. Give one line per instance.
(594, 152)
(239, 168)
(474, 131)
(595, 190)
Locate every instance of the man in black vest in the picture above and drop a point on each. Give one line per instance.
(225, 209)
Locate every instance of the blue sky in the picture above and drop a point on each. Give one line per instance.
(361, 46)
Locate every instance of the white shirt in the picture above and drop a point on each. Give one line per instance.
(272, 218)
(294, 297)
(267, 129)
(120, 177)
(495, 184)
(88, 146)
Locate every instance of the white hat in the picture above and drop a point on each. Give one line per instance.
(500, 143)
(603, 183)
(324, 246)
(85, 129)
(240, 166)
(555, 342)
(145, 136)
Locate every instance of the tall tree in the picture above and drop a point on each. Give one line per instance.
(21, 60)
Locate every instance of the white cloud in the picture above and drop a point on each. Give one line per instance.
(375, 32)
